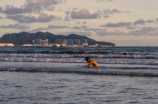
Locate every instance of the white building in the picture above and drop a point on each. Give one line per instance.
(33, 42)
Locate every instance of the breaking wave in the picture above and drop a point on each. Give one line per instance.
(88, 72)
(142, 61)
(68, 58)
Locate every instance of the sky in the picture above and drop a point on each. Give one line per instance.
(123, 22)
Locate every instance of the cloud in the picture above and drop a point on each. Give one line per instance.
(93, 29)
(115, 11)
(149, 21)
(128, 24)
(145, 31)
(31, 6)
(79, 27)
(104, 0)
(142, 22)
(67, 19)
(139, 22)
(104, 33)
(149, 29)
(131, 28)
(76, 27)
(138, 33)
(1, 9)
(86, 28)
(84, 22)
(78, 22)
(57, 27)
(108, 11)
(30, 19)
(1, 17)
(120, 24)
(107, 33)
(84, 14)
(15, 26)
(67, 13)
(35, 30)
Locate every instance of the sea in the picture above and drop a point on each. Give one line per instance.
(47, 75)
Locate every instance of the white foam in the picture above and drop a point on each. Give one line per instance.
(80, 60)
(153, 56)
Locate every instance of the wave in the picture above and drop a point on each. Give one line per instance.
(78, 60)
(112, 56)
(88, 72)
(54, 51)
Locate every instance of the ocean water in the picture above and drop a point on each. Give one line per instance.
(44, 75)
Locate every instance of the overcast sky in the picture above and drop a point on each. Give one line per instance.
(123, 22)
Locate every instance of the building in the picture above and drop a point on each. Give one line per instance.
(46, 42)
(59, 41)
(33, 42)
(40, 42)
(64, 41)
(72, 41)
(83, 41)
(76, 42)
(37, 41)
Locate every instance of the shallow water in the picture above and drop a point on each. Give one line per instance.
(103, 69)
(42, 75)
(61, 88)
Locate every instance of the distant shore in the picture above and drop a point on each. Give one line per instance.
(64, 46)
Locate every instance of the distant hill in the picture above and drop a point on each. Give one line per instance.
(26, 38)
